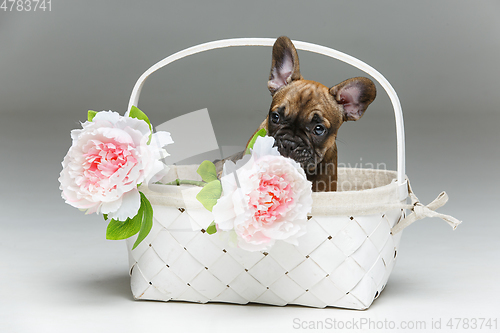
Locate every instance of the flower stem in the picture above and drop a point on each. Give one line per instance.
(188, 182)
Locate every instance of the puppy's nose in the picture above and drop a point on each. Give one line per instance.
(286, 147)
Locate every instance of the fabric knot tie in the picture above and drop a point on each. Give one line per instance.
(420, 211)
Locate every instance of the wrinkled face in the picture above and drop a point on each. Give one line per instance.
(304, 119)
(305, 115)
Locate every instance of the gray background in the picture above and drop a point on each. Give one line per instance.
(58, 272)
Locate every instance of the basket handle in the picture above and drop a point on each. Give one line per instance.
(398, 113)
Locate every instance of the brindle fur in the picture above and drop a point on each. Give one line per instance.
(302, 105)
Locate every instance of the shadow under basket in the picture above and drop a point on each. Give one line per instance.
(344, 260)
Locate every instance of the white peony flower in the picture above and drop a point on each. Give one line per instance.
(268, 198)
(107, 161)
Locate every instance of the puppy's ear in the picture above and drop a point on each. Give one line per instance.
(354, 95)
(285, 65)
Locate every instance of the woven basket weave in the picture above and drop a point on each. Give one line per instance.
(344, 259)
(341, 261)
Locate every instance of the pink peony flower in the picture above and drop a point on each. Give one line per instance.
(107, 161)
(266, 197)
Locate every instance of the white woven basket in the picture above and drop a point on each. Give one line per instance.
(344, 259)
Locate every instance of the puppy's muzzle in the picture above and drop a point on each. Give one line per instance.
(297, 151)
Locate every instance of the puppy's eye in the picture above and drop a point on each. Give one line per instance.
(275, 117)
(319, 130)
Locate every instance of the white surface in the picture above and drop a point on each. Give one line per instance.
(75, 281)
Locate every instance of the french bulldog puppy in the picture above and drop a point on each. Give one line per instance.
(305, 115)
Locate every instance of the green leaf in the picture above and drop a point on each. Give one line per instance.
(147, 220)
(121, 230)
(90, 115)
(209, 194)
(105, 217)
(207, 171)
(212, 229)
(262, 132)
(136, 113)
